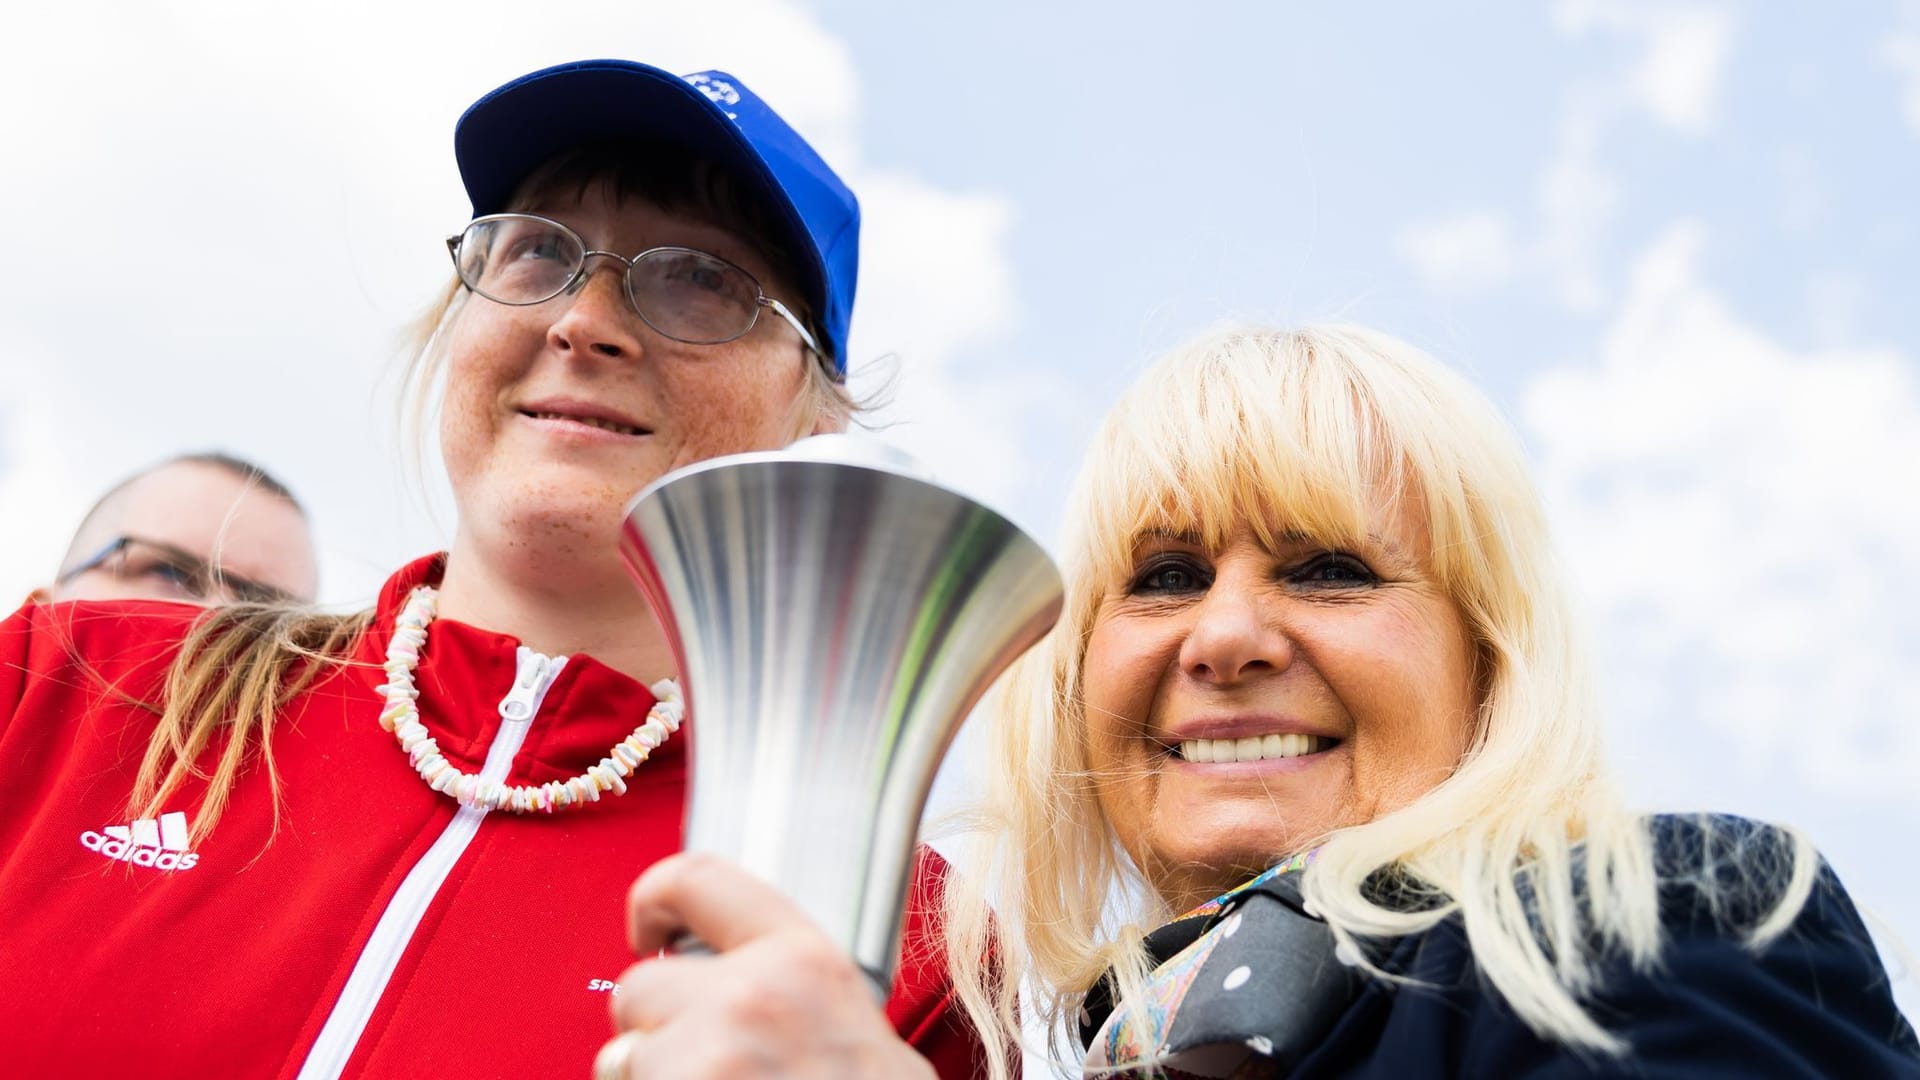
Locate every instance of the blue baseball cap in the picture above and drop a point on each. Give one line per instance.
(515, 129)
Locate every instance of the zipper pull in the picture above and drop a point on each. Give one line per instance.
(527, 683)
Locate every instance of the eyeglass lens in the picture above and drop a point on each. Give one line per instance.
(687, 295)
(158, 572)
(164, 572)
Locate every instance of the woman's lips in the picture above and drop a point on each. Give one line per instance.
(597, 423)
(574, 414)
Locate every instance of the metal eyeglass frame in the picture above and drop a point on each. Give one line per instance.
(579, 276)
(204, 572)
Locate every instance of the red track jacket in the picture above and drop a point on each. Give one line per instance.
(381, 931)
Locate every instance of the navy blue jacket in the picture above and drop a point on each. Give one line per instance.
(1814, 1003)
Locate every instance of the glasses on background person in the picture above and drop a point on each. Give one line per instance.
(684, 294)
(155, 570)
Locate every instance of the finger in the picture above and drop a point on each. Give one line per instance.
(721, 904)
(615, 1059)
(652, 992)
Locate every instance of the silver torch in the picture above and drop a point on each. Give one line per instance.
(834, 614)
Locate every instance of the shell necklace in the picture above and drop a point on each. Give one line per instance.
(402, 718)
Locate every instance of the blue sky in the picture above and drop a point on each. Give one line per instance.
(1676, 242)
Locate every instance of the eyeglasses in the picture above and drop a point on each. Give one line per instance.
(160, 571)
(686, 295)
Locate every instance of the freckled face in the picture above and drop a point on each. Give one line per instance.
(558, 413)
(1241, 702)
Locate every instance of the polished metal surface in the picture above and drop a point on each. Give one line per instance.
(835, 615)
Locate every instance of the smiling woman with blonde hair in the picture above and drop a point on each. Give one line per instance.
(1318, 708)
(1318, 702)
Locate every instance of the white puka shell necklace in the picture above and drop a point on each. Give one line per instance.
(402, 718)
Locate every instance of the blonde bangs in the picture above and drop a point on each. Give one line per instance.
(1243, 428)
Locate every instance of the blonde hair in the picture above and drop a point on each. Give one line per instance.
(242, 664)
(1528, 842)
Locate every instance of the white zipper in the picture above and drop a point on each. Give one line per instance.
(533, 676)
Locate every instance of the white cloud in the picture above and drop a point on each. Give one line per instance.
(224, 216)
(1736, 510)
(917, 310)
(1900, 52)
(1462, 255)
(1679, 79)
(1674, 79)
(1684, 52)
(1578, 200)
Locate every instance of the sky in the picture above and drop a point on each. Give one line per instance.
(1676, 242)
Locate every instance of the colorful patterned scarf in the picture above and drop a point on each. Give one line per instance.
(1246, 983)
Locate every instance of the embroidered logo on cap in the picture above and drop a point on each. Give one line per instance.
(718, 91)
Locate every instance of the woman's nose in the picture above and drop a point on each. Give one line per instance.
(598, 320)
(1234, 637)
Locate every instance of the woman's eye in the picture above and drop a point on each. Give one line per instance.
(171, 573)
(1170, 576)
(546, 247)
(169, 577)
(1334, 568)
(708, 278)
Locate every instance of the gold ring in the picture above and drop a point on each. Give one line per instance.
(612, 1060)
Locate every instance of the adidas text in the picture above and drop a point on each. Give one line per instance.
(160, 844)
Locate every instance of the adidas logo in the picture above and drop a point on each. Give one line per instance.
(160, 844)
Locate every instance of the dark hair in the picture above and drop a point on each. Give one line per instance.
(674, 178)
(240, 467)
(247, 472)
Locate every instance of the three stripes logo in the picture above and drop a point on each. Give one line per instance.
(161, 844)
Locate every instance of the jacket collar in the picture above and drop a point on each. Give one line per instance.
(465, 671)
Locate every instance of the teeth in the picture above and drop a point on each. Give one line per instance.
(1253, 748)
(603, 425)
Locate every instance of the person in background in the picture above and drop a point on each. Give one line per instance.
(204, 528)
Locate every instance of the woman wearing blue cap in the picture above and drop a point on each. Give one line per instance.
(268, 841)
